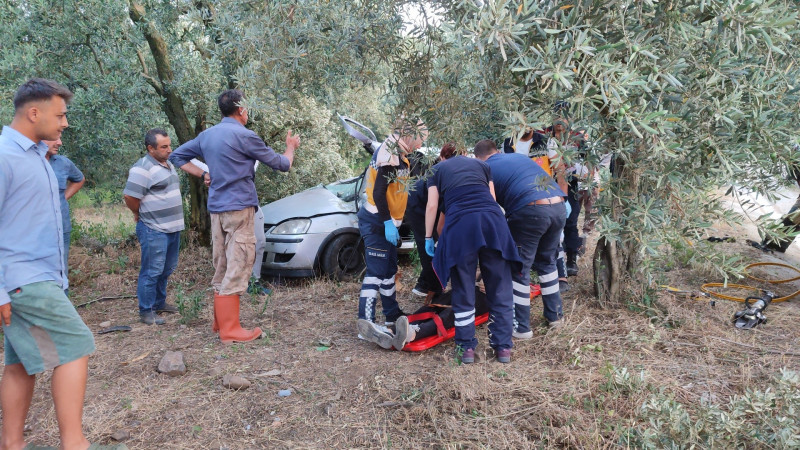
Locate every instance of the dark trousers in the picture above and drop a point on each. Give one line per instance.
(572, 238)
(427, 277)
(381, 259)
(536, 230)
(496, 273)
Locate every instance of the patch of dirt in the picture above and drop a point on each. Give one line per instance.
(555, 392)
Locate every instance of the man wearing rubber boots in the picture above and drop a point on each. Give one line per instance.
(230, 150)
(379, 218)
(534, 206)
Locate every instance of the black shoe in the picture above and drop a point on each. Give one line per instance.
(563, 286)
(420, 291)
(572, 264)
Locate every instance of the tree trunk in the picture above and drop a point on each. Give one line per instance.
(607, 276)
(172, 104)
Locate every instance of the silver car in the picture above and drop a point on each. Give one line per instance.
(315, 232)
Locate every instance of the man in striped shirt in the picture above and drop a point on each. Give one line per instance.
(153, 194)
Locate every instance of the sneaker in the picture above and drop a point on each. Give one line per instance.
(419, 291)
(555, 324)
(167, 308)
(522, 336)
(403, 334)
(467, 356)
(375, 333)
(563, 286)
(150, 318)
(503, 355)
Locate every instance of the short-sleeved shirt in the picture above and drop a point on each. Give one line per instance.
(519, 181)
(158, 188)
(230, 150)
(65, 171)
(457, 172)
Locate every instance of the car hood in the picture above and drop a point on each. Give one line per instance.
(312, 202)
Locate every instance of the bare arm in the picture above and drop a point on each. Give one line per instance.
(491, 189)
(430, 210)
(440, 225)
(559, 171)
(133, 204)
(73, 188)
(192, 169)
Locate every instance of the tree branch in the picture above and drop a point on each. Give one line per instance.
(146, 75)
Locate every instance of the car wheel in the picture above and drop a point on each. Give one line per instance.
(343, 257)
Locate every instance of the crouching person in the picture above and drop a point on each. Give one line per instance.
(475, 232)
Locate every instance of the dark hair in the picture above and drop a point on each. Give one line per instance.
(229, 101)
(150, 137)
(449, 150)
(484, 148)
(37, 89)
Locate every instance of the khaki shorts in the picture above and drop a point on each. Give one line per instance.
(46, 330)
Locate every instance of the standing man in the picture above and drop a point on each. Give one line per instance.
(534, 206)
(378, 219)
(153, 194)
(230, 150)
(70, 181)
(41, 328)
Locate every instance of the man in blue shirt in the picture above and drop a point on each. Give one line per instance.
(70, 181)
(534, 206)
(230, 150)
(42, 330)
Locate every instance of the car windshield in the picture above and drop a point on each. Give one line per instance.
(346, 190)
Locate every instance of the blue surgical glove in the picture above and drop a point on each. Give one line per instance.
(391, 233)
(429, 247)
(569, 209)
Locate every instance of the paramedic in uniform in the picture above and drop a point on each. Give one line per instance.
(475, 232)
(380, 216)
(535, 210)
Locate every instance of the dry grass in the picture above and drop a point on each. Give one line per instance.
(555, 393)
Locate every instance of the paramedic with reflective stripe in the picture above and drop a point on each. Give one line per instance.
(475, 232)
(379, 218)
(535, 210)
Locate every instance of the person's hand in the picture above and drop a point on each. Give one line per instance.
(135, 217)
(391, 233)
(429, 246)
(5, 314)
(568, 208)
(292, 141)
(207, 179)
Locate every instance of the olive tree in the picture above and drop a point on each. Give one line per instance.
(692, 98)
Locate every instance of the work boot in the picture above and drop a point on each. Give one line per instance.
(403, 333)
(150, 318)
(226, 310)
(167, 308)
(572, 264)
(375, 333)
(215, 324)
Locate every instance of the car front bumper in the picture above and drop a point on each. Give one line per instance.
(292, 255)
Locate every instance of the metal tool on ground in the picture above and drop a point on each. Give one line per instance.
(753, 314)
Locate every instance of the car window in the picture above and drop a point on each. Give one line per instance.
(346, 190)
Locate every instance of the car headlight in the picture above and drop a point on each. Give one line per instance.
(294, 226)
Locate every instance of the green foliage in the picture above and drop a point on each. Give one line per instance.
(190, 304)
(691, 98)
(767, 417)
